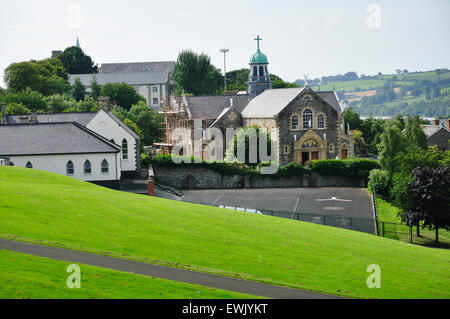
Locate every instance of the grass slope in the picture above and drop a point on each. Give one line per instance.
(29, 277)
(55, 210)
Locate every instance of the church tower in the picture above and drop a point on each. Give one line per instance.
(259, 77)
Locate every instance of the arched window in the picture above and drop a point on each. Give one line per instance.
(307, 119)
(11, 163)
(87, 167)
(321, 122)
(261, 71)
(295, 122)
(124, 149)
(105, 167)
(255, 71)
(69, 168)
(29, 165)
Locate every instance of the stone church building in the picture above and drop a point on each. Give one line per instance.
(309, 125)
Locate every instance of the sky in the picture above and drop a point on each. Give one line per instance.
(314, 37)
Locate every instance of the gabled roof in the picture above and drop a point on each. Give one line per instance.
(270, 102)
(82, 118)
(210, 107)
(134, 67)
(332, 99)
(122, 125)
(137, 78)
(430, 130)
(52, 138)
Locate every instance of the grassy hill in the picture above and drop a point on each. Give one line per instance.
(418, 93)
(50, 209)
(25, 276)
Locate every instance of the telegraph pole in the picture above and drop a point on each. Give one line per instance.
(225, 66)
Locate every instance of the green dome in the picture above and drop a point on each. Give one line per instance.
(259, 58)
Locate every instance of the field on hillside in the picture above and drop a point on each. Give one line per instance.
(29, 277)
(50, 209)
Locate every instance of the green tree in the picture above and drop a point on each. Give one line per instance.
(414, 134)
(195, 74)
(121, 94)
(78, 90)
(75, 61)
(28, 98)
(250, 138)
(96, 89)
(352, 118)
(391, 144)
(16, 108)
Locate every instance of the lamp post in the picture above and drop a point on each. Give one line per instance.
(225, 66)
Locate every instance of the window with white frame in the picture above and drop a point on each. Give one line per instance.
(154, 89)
(295, 122)
(321, 122)
(70, 168)
(155, 100)
(307, 119)
(105, 167)
(87, 167)
(124, 149)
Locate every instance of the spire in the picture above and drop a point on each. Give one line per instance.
(78, 43)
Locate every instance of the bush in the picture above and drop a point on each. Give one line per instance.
(348, 167)
(291, 169)
(380, 180)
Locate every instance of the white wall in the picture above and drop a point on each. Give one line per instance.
(57, 164)
(104, 125)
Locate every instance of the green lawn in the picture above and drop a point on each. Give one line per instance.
(29, 277)
(50, 209)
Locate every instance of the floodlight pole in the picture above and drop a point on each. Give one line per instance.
(225, 66)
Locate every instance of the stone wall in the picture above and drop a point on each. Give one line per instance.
(203, 178)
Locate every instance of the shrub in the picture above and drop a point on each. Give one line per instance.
(291, 169)
(380, 180)
(348, 167)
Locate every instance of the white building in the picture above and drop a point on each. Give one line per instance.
(68, 149)
(103, 124)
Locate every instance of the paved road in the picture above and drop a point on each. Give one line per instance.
(181, 275)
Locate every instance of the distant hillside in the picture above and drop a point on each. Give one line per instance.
(416, 93)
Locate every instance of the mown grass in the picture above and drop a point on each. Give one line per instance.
(30, 277)
(45, 208)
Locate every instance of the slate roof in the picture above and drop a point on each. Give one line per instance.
(210, 107)
(430, 130)
(82, 118)
(270, 102)
(331, 98)
(52, 138)
(135, 67)
(137, 78)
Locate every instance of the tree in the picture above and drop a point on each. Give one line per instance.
(96, 89)
(16, 108)
(121, 94)
(78, 90)
(430, 193)
(244, 136)
(75, 61)
(46, 76)
(414, 134)
(352, 118)
(28, 98)
(195, 74)
(392, 143)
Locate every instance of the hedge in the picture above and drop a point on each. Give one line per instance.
(347, 167)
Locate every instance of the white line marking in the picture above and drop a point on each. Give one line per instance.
(216, 200)
(293, 213)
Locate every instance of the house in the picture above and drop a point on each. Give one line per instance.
(438, 135)
(103, 123)
(150, 79)
(309, 125)
(66, 148)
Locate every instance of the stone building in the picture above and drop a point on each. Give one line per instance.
(438, 135)
(308, 125)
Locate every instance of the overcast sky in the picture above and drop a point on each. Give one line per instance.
(317, 37)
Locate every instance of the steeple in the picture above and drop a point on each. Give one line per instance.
(259, 77)
(78, 43)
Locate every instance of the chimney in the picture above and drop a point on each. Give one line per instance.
(3, 113)
(436, 122)
(448, 124)
(33, 117)
(104, 103)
